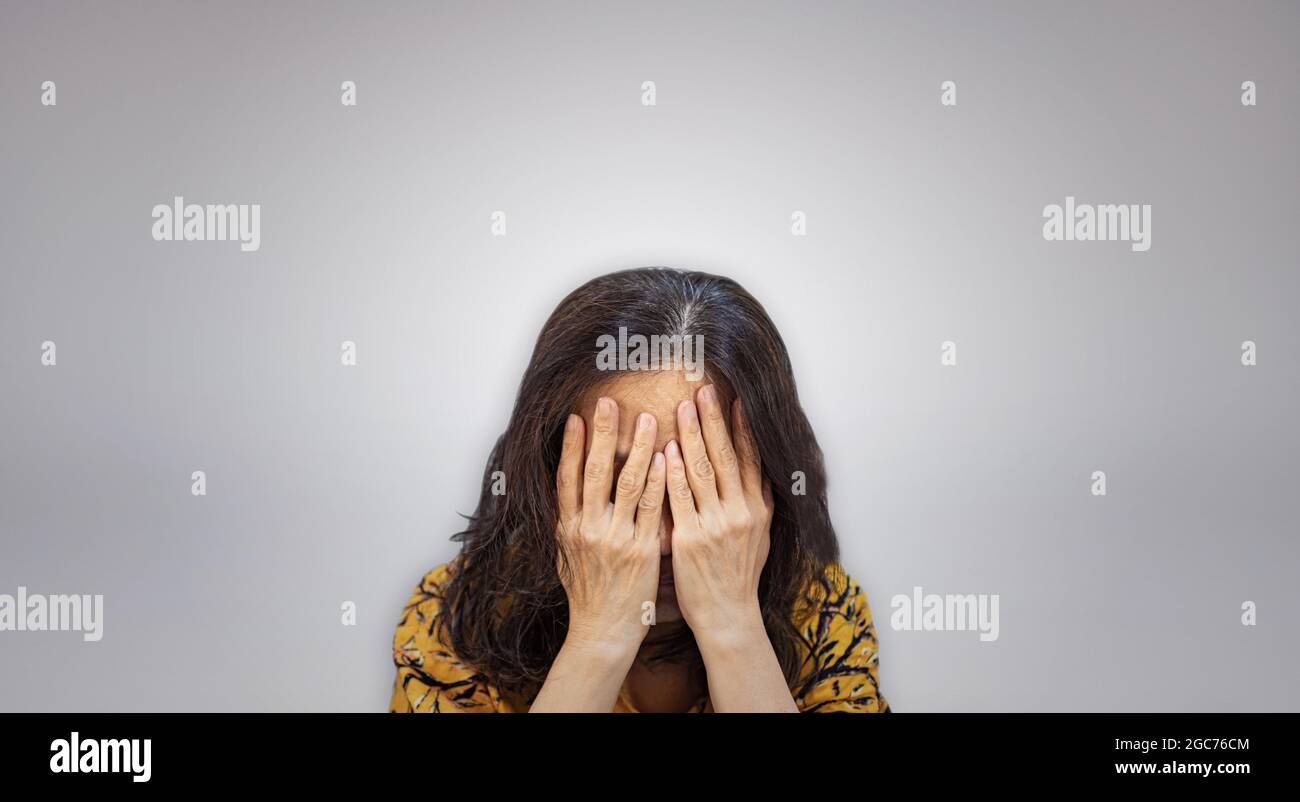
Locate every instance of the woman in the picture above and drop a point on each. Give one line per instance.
(652, 533)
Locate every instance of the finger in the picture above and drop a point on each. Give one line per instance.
(751, 466)
(722, 454)
(597, 474)
(651, 506)
(680, 499)
(568, 478)
(698, 468)
(631, 480)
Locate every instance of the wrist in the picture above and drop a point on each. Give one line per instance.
(602, 652)
(738, 630)
(585, 676)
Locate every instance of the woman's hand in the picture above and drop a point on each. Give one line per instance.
(613, 548)
(722, 514)
(613, 565)
(722, 517)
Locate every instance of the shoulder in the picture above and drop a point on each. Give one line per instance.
(429, 593)
(423, 609)
(832, 595)
(841, 670)
(834, 583)
(430, 677)
(421, 632)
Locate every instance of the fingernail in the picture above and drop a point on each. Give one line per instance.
(706, 394)
(658, 460)
(671, 448)
(569, 423)
(603, 404)
(689, 408)
(643, 421)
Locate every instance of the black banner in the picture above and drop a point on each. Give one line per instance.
(415, 754)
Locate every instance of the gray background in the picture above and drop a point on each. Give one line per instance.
(328, 483)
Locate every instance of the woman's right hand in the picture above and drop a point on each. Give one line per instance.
(613, 547)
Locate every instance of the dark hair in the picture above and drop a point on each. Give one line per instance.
(504, 608)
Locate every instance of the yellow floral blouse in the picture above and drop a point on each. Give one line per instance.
(838, 650)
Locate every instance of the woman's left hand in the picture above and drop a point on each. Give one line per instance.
(722, 516)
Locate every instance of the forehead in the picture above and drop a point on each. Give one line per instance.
(655, 392)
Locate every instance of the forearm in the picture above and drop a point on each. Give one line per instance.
(744, 674)
(585, 678)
